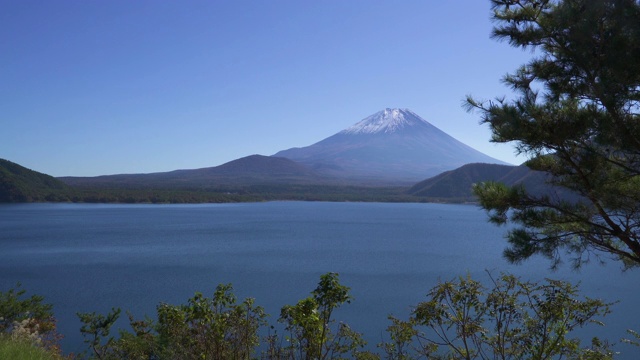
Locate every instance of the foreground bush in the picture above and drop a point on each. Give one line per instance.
(220, 328)
(20, 349)
(27, 327)
(462, 319)
(512, 319)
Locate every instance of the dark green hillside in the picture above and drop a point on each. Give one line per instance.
(19, 184)
(456, 184)
(534, 181)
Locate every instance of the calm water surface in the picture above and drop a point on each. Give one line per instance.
(87, 257)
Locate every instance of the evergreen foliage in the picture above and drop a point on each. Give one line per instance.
(577, 117)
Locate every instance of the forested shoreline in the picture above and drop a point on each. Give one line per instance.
(225, 195)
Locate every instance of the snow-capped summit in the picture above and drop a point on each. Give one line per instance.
(385, 121)
(392, 146)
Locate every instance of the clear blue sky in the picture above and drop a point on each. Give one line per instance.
(105, 87)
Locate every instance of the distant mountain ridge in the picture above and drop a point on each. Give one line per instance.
(255, 178)
(252, 169)
(394, 146)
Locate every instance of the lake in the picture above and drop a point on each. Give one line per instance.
(91, 257)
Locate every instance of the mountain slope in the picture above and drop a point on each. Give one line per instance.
(253, 169)
(458, 183)
(391, 146)
(19, 184)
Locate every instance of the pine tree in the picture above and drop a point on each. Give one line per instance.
(576, 116)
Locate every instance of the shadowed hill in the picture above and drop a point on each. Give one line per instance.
(456, 185)
(19, 184)
(253, 169)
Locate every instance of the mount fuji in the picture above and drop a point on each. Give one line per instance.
(393, 146)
